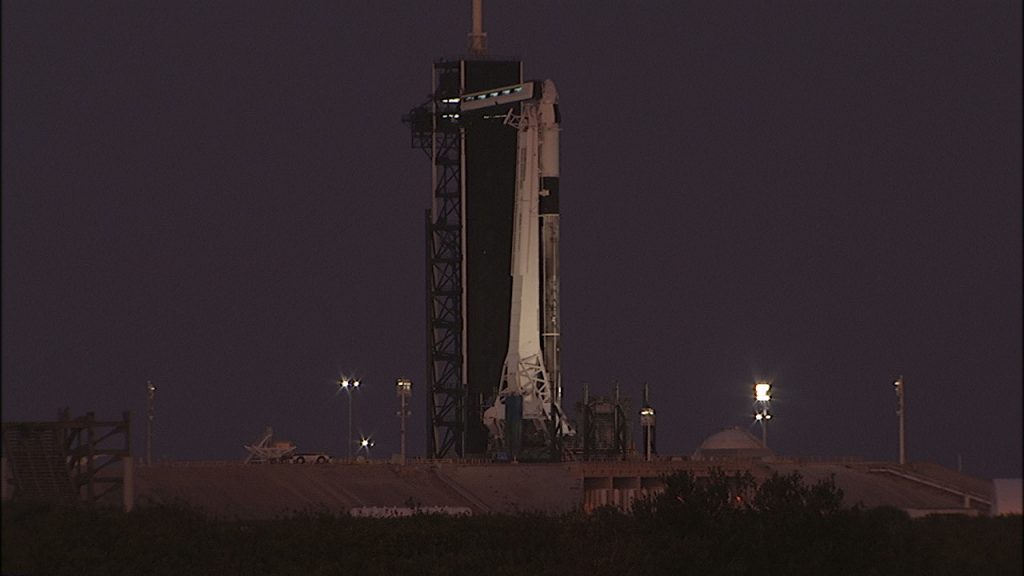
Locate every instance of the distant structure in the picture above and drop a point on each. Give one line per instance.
(267, 449)
(469, 239)
(602, 427)
(375, 488)
(70, 460)
(732, 444)
(648, 426)
(1007, 494)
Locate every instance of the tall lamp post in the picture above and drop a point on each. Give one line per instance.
(403, 388)
(762, 412)
(647, 421)
(901, 412)
(150, 402)
(348, 386)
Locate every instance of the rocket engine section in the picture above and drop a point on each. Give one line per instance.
(526, 415)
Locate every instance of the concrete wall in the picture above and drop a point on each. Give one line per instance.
(268, 490)
(1006, 496)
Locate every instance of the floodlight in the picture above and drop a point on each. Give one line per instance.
(348, 386)
(761, 391)
(647, 417)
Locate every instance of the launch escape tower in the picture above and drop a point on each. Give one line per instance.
(469, 241)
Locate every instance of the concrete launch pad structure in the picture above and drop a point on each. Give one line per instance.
(43, 462)
(233, 489)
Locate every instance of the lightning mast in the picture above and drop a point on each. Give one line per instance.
(478, 38)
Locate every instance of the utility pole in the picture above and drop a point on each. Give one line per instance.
(404, 389)
(901, 410)
(150, 401)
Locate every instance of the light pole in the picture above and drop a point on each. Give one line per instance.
(762, 413)
(901, 411)
(647, 424)
(348, 386)
(150, 401)
(403, 387)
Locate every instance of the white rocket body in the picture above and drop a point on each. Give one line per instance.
(549, 237)
(531, 371)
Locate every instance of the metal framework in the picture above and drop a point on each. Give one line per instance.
(94, 455)
(265, 449)
(604, 427)
(435, 130)
(69, 460)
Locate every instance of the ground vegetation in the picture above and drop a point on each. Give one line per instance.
(715, 525)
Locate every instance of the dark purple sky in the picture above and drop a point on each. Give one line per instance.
(220, 197)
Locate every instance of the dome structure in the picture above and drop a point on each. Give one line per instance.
(732, 444)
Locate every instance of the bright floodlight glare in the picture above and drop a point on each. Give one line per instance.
(758, 416)
(355, 384)
(761, 390)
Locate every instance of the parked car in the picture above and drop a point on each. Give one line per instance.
(312, 457)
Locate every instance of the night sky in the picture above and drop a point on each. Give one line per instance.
(220, 197)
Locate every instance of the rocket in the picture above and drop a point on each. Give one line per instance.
(548, 119)
(530, 390)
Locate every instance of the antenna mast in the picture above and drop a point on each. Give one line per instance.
(478, 38)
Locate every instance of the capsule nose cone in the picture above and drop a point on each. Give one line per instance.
(550, 94)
